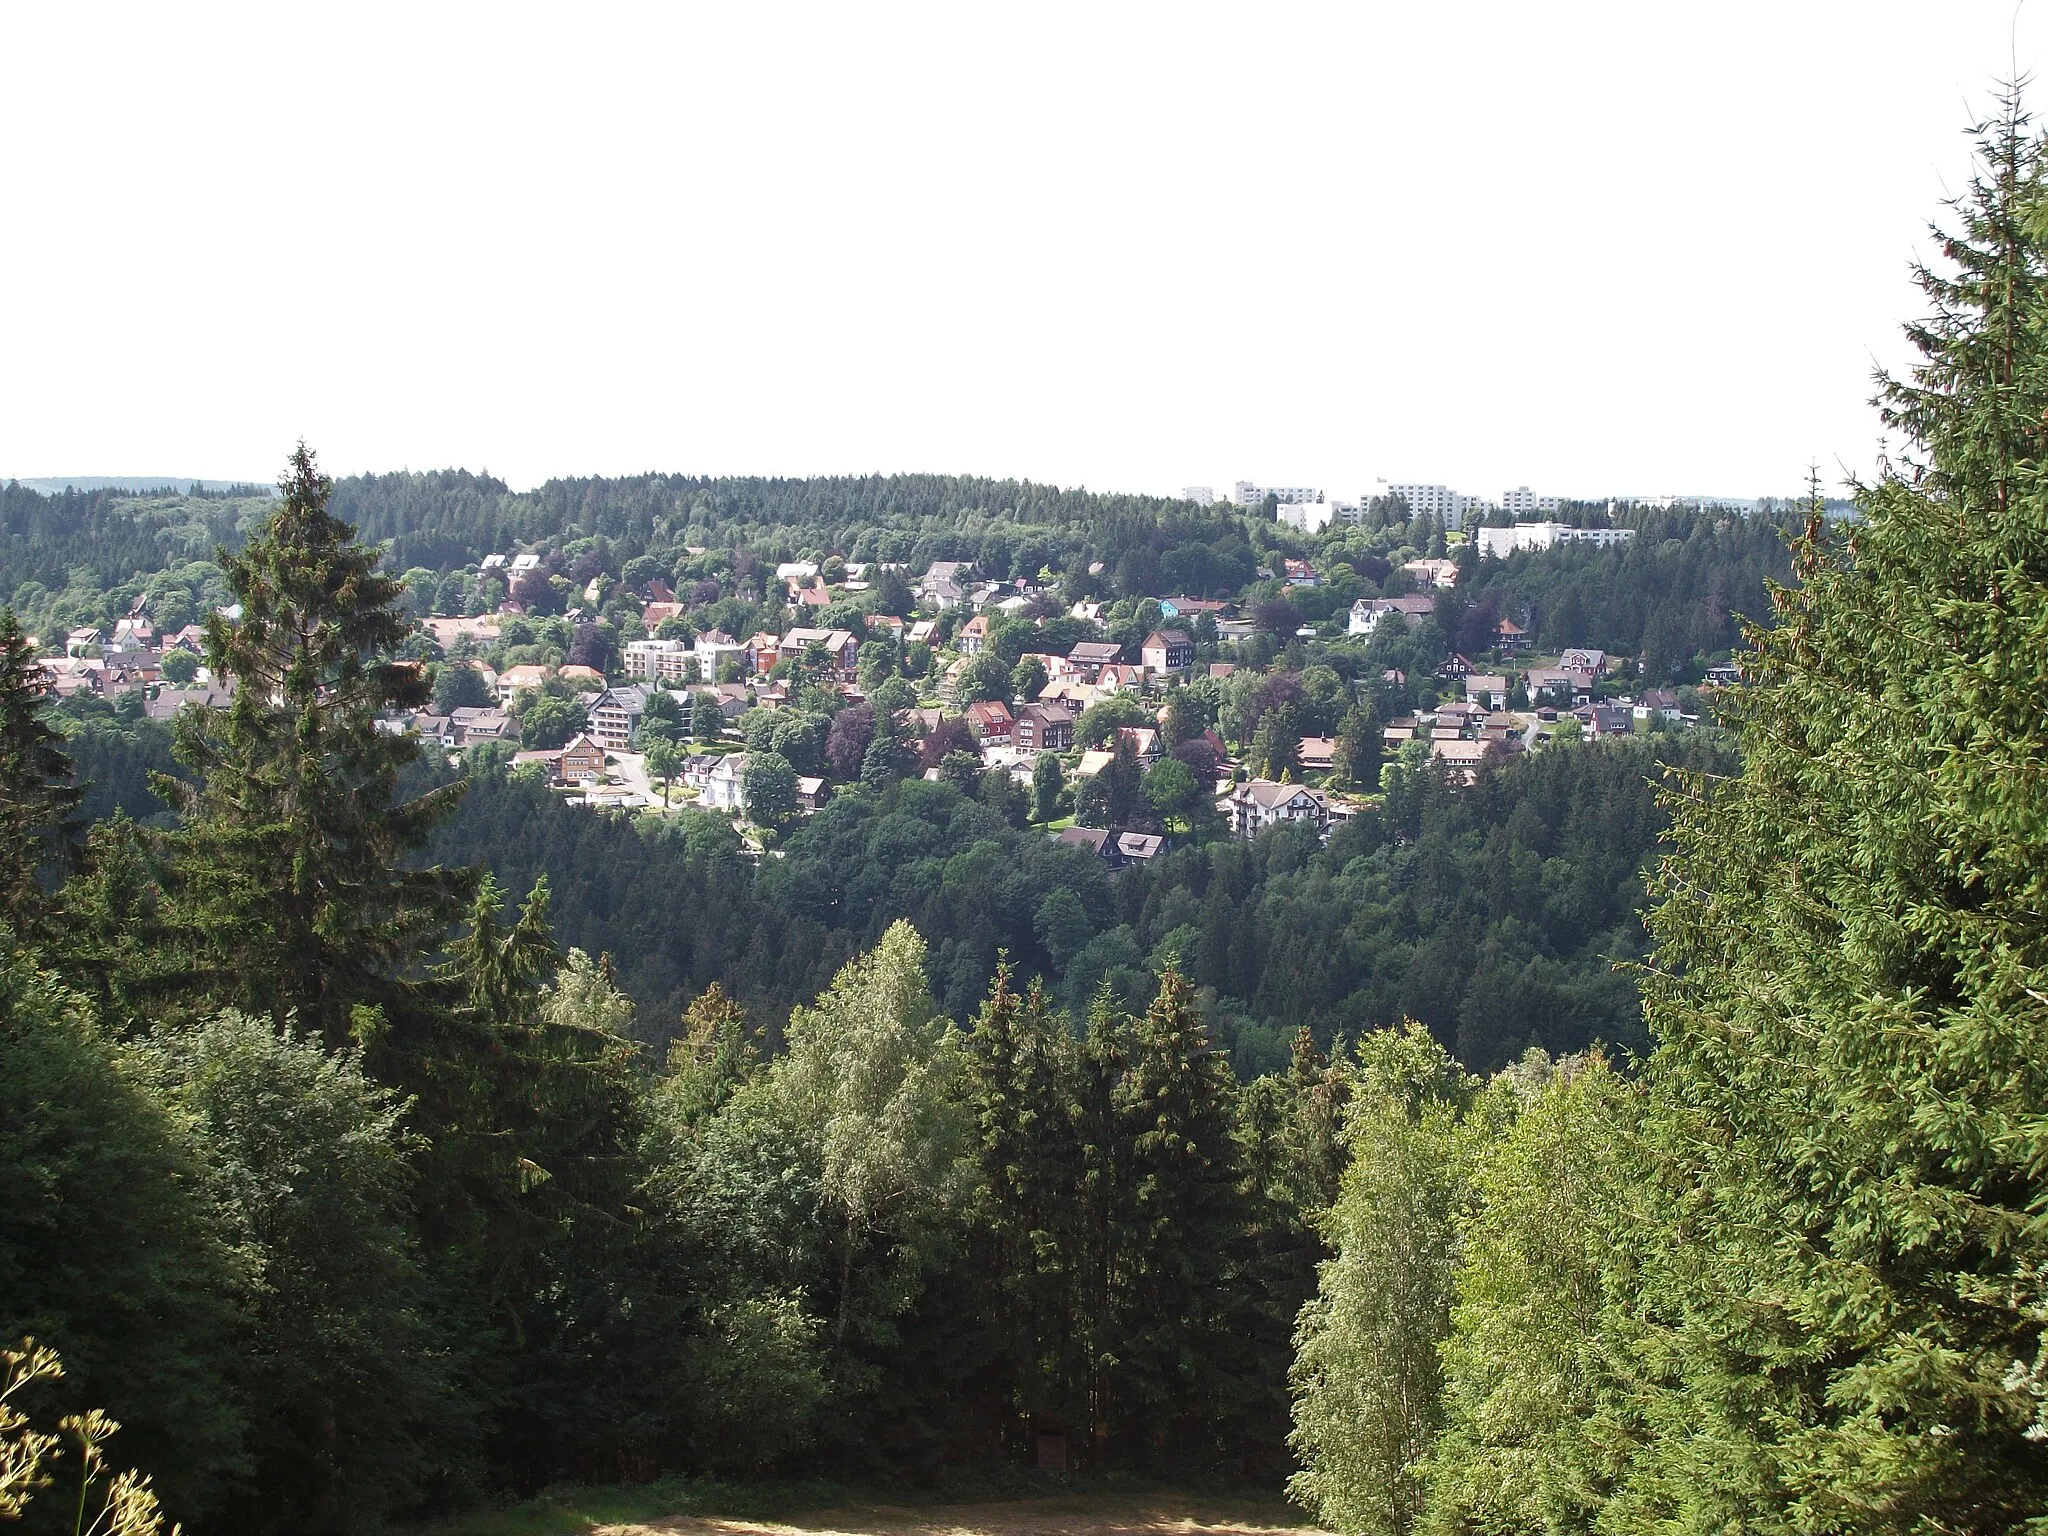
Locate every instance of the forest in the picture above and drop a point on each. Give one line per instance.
(353, 1188)
(1496, 916)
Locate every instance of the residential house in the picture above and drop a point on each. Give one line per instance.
(580, 677)
(83, 642)
(514, 681)
(1301, 574)
(921, 632)
(1725, 674)
(1611, 720)
(1191, 607)
(1043, 728)
(810, 793)
(1318, 754)
(1222, 669)
(469, 726)
(1138, 847)
(1488, 688)
(766, 649)
(1510, 638)
(431, 727)
(1464, 758)
(796, 574)
(1091, 654)
(1260, 804)
(841, 650)
(169, 701)
(1559, 684)
(521, 564)
(991, 723)
(1167, 652)
(1118, 676)
(615, 717)
(658, 613)
(1094, 839)
(1367, 612)
(1144, 742)
(1657, 704)
(1437, 573)
(1093, 761)
(725, 786)
(1584, 659)
(580, 762)
(973, 636)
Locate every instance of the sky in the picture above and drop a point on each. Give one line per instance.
(1592, 248)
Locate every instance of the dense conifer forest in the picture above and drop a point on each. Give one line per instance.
(377, 1138)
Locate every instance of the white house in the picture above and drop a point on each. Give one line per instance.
(724, 787)
(1367, 612)
(1262, 804)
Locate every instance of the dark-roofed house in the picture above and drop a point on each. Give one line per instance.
(1167, 652)
(1043, 728)
(1095, 653)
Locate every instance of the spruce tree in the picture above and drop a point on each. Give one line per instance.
(290, 882)
(1021, 1064)
(1180, 1214)
(1844, 1268)
(37, 794)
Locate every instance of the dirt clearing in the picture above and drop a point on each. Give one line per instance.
(1075, 1515)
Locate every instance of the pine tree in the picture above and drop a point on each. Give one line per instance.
(1845, 1266)
(289, 879)
(37, 794)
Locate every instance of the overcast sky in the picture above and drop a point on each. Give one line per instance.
(1592, 248)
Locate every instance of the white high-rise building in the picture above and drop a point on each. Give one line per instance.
(1523, 502)
(1200, 495)
(1246, 494)
(1308, 516)
(1438, 501)
(1499, 543)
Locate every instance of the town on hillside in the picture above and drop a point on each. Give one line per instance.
(1117, 720)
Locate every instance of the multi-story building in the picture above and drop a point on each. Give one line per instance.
(615, 717)
(1167, 652)
(714, 648)
(1499, 543)
(1523, 502)
(1307, 516)
(659, 661)
(1262, 804)
(841, 650)
(1437, 501)
(1245, 494)
(1043, 728)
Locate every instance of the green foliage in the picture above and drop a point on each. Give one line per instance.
(36, 792)
(769, 785)
(459, 686)
(109, 1248)
(1367, 1378)
(1848, 981)
(285, 881)
(345, 1378)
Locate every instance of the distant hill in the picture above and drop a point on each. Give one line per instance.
(181, 485)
